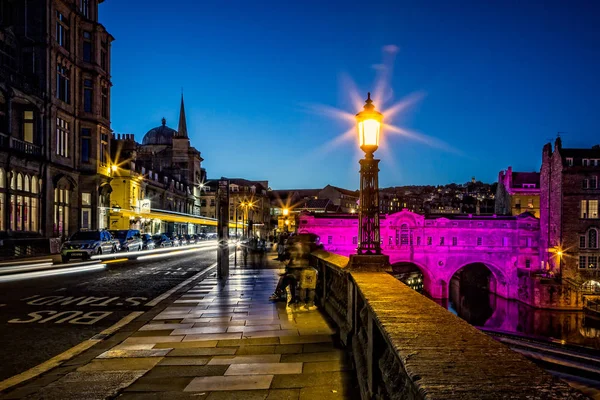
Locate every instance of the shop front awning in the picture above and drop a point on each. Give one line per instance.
(169, 216)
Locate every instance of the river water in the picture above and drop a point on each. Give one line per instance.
(481, 308)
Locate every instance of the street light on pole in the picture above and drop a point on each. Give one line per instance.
(368, 123)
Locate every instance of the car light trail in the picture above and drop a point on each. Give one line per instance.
(173, 253)
(24, 267)
(118, 260)
(41, 274)
(136, 254)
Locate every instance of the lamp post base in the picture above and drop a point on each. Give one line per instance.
(369, 263)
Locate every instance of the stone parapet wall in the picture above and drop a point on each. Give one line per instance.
(405, 346)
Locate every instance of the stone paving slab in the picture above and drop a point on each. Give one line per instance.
(220, 341)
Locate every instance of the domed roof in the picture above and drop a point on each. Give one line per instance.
(160, 135)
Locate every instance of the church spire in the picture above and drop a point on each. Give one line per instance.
(182, 129)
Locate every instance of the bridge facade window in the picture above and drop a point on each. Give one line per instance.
(404, 235)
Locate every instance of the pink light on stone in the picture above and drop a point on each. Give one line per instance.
(441, 246)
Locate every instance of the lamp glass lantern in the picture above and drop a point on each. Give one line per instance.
(368, 123)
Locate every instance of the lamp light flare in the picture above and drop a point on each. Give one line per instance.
(419, 137)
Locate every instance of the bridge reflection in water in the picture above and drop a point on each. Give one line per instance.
(471, 299)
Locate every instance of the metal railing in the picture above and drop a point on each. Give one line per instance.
(25, 147)
(19, 145)
(592, 305)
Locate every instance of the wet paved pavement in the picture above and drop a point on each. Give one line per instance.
(43, 317)
(217, 341)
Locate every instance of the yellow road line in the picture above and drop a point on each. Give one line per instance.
(62, 357)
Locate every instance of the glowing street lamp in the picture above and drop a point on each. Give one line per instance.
(286, 211)
(368, 124)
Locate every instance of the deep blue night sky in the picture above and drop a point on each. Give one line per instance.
(498, 81)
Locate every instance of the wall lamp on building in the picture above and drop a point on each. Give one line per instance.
(116, 208)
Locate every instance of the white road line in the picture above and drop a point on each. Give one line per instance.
(67, 355)
(169, 292)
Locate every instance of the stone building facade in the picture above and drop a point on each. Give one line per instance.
(569, 218)
(241, 191)
(518, 192)
(55, 131)
(156, 183)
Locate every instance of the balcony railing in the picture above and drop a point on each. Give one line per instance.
(20, 146)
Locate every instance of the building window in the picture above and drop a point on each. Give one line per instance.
(582, 263)
(88, 95)
(63, 84)
(429, 240)
(592, 262)
(86, 210)
(28, 126)
(103, 149)
(454, 241)
(404, 232)
(586, 184)
(103, 55)
(479, 241)
(418, 240)
(527, 263)
(582, 242)
(61, 212)
(505, 242)
(23, 212)
(87, 46)
(570, 162)
(583, 207)
(585, 162)
(212, 202)
(62, 137)
(593, 209)
(62, 30)
(86, 143)
(442, 241)
(329, 239)
(593, 239)
(105, 102)
(354, 239)
(594, 182)
(85, 8)
(528, 242)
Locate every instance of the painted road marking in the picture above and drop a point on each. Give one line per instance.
(37, 300)
(73, 317)
(182, 284)
(72, 352)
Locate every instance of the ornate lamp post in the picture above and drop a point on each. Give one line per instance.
(368, 123)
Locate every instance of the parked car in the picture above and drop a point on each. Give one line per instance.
(84, 244)
(129, 239)
(191, 239)
(201, 236)
(182, 240)
(174, 239)
(161, 240)
(147, 242)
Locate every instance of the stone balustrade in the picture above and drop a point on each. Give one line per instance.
(405, 346)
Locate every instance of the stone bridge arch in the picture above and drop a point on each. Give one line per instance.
(499, 276)
(429, 278)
